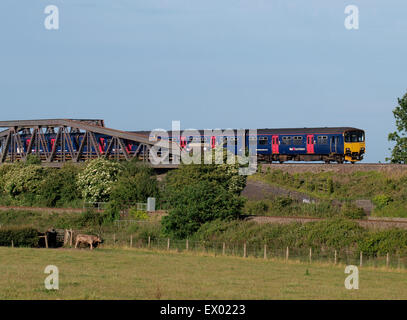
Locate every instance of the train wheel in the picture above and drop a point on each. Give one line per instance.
(281, 161)
(327, 161)
(353, 162)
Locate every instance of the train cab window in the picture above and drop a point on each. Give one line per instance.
(297, 140)
(263, 140)
(355, 136)
(286, 140)
(322, 140)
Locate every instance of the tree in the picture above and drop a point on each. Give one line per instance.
(399, 152)
(197, 203)
(60, 186)
(135, 183)
(97, 179)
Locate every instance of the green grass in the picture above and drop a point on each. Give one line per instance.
(141, 274)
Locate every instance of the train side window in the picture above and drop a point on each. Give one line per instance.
(286, 140)
(322, 140)
(297, 140)
(263, 140)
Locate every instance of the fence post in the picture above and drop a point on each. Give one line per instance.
(224, 249)
(149, 241)
(398, 263)
(71, 238)
(310, 255)
(187, 245)
(46, 241)
(335, 257)
(265, 251)
(287, 253)
(168, 244)
(244, 250)
(12, 243)
(114, 238)
(131, 241)
(361, 258)
(387, 260)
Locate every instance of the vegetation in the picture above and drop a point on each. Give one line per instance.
(399, 152)
(385, 190)
(97, 179)
(19, 236)
(197, 194)
(329, 234)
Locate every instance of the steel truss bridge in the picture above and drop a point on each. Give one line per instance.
(57, 141)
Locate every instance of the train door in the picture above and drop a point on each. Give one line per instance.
(274, 145)
(310, 143)
(213, 142)
(183, 142)
(334, 143)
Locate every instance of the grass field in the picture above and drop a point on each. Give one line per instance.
(141, 274)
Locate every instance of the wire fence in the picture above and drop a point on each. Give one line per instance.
(260, 251)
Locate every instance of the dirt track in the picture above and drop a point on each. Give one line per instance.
(370, 223)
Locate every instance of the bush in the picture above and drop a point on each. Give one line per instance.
(135, 183)
(196, 204)
(351, 211)
(256, 207)
(59, 188)
(138, 214)
(383, 242)
(21, 236)
(23, 179)
(91, 218)
(382, 200)
(97, 179)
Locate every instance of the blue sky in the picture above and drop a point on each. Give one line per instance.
(139, 64)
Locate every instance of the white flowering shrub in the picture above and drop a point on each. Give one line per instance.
(97, 179)
(23, 179)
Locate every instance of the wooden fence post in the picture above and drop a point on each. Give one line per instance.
(244, 250)
(114, 238)
(71, 239)
(265, 251)
(46, 241)
(336, 257)
(12, 243)
(224, 249)
(287, 253)
(168, 244)
(310, 255)
(149, 242)
(187, 245)
(361, 258)
(387, 260)
(131, 241)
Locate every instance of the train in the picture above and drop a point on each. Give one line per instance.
(326, 144)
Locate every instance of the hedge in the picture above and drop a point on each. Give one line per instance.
(21, 236)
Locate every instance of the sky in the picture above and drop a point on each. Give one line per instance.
(140, 64)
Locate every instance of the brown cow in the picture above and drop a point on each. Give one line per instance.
(91, 240)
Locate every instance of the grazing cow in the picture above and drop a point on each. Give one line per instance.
(91, 240)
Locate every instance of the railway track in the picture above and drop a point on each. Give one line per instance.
(339, 168)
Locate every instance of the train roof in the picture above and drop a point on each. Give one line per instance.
(317, 130)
